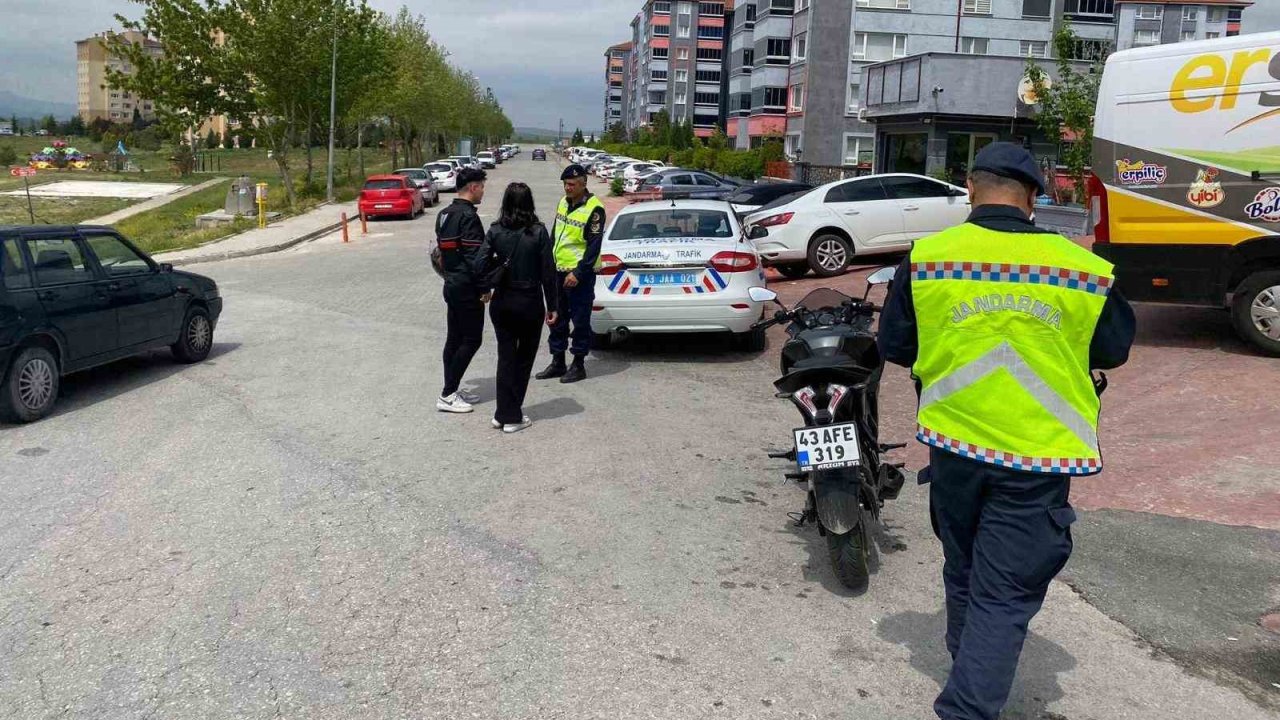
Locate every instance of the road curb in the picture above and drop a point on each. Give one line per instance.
(278, 247)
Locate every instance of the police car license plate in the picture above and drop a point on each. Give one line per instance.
(829, 447)
(666, 278)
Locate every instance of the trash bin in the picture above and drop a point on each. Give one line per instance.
(240, 198)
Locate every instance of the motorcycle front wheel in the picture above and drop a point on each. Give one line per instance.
(850, 556)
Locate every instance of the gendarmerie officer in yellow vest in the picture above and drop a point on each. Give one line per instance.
(577, 234)
(1001, 324)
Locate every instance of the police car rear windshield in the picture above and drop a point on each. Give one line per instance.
(673, 223)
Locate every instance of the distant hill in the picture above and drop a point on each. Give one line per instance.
(24, 107)
(533, 133)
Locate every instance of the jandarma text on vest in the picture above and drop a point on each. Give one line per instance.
(995, 302)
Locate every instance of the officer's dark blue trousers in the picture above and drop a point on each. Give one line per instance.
(575, 308)
(1005, 534)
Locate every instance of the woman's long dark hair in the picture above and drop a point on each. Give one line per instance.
(517, 208)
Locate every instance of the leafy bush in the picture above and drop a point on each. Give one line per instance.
(704, 158)
(8, 156)
(617, 187)
(147, 139)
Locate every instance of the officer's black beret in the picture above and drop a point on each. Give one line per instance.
(573, 171)
(1010, 161)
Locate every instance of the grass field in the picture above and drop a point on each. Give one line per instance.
(172, 227)
(1266, 160)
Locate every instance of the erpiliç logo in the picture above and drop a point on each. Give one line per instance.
(1266, 206)
(1141, 173)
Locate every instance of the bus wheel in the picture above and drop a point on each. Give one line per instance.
(1256, 311)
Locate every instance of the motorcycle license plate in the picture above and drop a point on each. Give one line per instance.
(829, 447)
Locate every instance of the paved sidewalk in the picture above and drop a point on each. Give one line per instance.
(153, 203)
(273, 238)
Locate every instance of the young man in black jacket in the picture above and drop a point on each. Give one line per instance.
(460, 234)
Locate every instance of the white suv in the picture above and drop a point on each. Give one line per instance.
(825, 228)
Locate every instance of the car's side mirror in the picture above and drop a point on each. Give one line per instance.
(757, 233)
(166, 267)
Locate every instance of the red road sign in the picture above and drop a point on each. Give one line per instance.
(22, 171)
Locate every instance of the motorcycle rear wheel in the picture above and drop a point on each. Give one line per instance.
(850, 557)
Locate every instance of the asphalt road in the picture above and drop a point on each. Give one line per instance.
(291, 530)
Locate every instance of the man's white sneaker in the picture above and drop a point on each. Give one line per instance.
(497, 425)
(523, 425)
(453, 404)
(469, 397)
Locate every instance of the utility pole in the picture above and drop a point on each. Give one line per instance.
(333, 110)
(560, 133)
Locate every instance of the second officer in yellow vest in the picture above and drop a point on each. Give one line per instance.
(1001, 324)
(577, 235)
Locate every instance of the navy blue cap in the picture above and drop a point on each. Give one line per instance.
(1011, 161)
(573, 171)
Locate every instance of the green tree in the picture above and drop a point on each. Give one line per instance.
(211, 140)
(138, 123)
(13, 120)
(50, 124)
(1067, 105)
(7, 155)
(577, 139)
(617, 133)
(74, 127)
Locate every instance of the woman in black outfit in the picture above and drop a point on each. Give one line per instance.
(520, 251)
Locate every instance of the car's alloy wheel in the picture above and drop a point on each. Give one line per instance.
(35, 384)
(831, 255)
(199, 333)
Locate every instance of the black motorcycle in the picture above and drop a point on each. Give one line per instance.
(831, 371)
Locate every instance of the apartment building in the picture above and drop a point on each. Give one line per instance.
(617, 61)
(759, 69)
(96, 99)
(676, 59)
(1140, 23)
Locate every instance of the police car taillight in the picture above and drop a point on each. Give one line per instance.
(610, 265)
(731, 262)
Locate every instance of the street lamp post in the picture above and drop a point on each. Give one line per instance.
(333, 110)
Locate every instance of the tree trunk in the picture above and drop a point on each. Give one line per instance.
(360, 148)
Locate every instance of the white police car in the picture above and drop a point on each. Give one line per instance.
(678, 266)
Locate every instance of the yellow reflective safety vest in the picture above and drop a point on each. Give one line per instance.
(1005, 321)
(570, 233)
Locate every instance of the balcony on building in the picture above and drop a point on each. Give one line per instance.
(1090, 11)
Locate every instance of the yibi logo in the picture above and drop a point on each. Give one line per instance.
(1206, 191)
(1266, 206)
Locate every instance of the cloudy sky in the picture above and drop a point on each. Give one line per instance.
(544, 58)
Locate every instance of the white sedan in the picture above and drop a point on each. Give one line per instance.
(826, 228)
(445, 174)
(678, 267)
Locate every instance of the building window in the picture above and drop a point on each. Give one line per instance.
(1150, 12)
(855, 98)
(712, 54)
(1212, 35)
(658, 75)
(1190, 12)
(1037, 8)
(770, 99)
(973, 46)
(885, 4)
(1188, 35)
(682, 54)
(684, 8)
(661, 53)
(1092, 50)
(710, 32)
(657, 98)
(681, 96)
(977, 7)
(802, 5)
(706, 98)
(1103, 10)
(1217, 14)
(707, 76)
(1034, 48)
(1234, 14)
(661, 7)
(877, 47)
(662, 31)
(800, 46)
(859, 150)
(797, 96)
(748, 59)
(1146, 37)
(683, 23)
(682, 76)
(778, 51)
(714, 9)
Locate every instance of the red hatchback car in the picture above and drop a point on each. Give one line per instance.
(390, 195)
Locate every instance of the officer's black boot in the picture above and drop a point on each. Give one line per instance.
(555, 369)
(577, 371)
